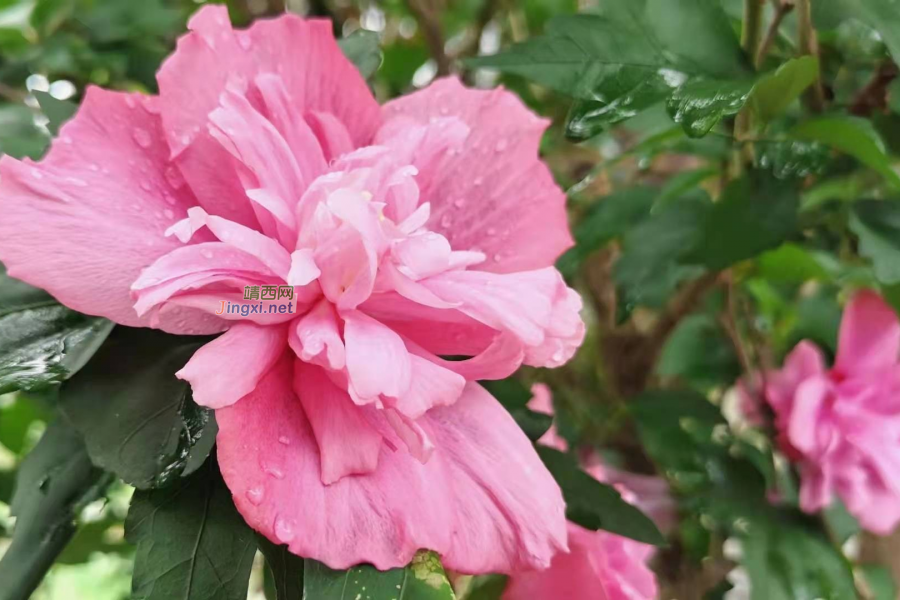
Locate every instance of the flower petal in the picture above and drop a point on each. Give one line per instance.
(230, 367)
(377, 360)
(870, 335)
(84, 221)
(514, 212)
(484, 501)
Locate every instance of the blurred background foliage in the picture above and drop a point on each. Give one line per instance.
(638, 185)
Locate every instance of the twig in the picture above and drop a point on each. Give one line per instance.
(488, 9)
(782, 9)
(874, 95)
(752, 27)
(809, 46)
(682, 305)
(426, 14)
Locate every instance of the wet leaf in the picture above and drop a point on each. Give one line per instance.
(42, 342)
(595, 505)
(55, 481)
(285, 570)
(775, 92)
(423, 579)
(792, 158)
(699, 104)
(137, 419)
(192, 544)
(850, 135)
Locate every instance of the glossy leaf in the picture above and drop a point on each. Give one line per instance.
(514, 397)
(595, 505)
(774, 93)
(423, 579)
(792, 158)
(877, 224)
(850, 135)
(699, 104)
(55, 481)
(137, 419)
(41, 341)
(192, 544)
(285, 570)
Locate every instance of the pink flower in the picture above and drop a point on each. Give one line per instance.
(599, 565)
(842, 425)
(424, 228)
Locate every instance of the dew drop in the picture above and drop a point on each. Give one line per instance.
(255, 495)
(137, 207)
(284, 440)
(129, 102)
(491, 231)
(145, 185)
(170, 214)
(66, 140)
(141, 137)
(37, 174)
(76, 181)
(205, 253)
(501, 145)
(498, 258)
(174, 177)
(459, 203)
(284, 530)
(446, 221)
(274, 472)
(170, 199)
(244, 41)
(185, 140)
(478, 181)
(94, 167)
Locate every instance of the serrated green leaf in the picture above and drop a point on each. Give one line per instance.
(699, 104)
(850, 135)
(56, 111)
(192, 544)
(595, 505)
(55, 481)
(877, 224)
(755, 213)
(423, 579)
(137, 418)
(42, 342)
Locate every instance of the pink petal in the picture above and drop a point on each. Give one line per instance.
(870, 335)
(230, 367)
(808, 422)
(347, 444)
(430, 385)
(304, 54)
(494, 195)
(483, 501)
(804, 361)
(316, 338)
(84, 221)
(377, 360)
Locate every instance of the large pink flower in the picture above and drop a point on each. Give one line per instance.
(842, 425)
(424, 228)
(599, 565)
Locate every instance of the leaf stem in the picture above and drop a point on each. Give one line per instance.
(809, 46)
(782, 9)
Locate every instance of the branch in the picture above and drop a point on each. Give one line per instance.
(809, 46)
(874, 95)
(426, 14)
(782, 9)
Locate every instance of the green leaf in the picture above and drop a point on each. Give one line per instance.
(881, 15)
(786, 561)
(608, 218)
(595, 505)
(41, 341)
(285, 568)
(137, 418)
(699, 352)
(192, 544)
(19, 136)
(850, 135)
(755, 213)
(793, 158)
(699, 104)
(57, 111)
(55, 481)
(877, 224)
(791, 263)
(774, 93)
(651, 265)
(880, 582)
(423, 579)
(514, 397)
(362, 49)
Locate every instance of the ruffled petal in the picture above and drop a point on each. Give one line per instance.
(484, 501)
(230, 367)
(86, 220)
(377, 360)
(493, 194)
(870, 335)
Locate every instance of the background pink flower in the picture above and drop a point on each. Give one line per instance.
(424, 228)
(599, 564)
(842, 425)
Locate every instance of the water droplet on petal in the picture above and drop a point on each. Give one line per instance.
(66, 139)
(446, 221)
(244, 41)
(284, 440)
(478, 181)
(94, 167)
(141, 137)
(284, 530)
(170, 214)
(501, 145)
(129, 102)
(255, 495)
(36, 174)
(145, 185)
(491, 231)
(76, 181)
(206, 253)
(274, 472)
(170, 199)
(174, 177)
(459, 203)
